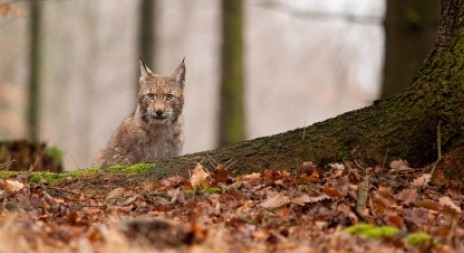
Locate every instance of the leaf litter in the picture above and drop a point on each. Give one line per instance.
(331, 209)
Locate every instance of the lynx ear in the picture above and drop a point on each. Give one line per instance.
(145, 72)
(179, 74)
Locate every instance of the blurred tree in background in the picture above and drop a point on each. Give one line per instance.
(33, 100)
(231, 113)
(147, 41)
(410, 33)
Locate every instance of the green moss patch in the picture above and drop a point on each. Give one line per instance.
(54, 178)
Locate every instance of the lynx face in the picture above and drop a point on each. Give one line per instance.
(161, 98)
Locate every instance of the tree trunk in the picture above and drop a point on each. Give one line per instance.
(404, 126)
(33, 107)
(410, 31)
(146, 40)
(231, 113)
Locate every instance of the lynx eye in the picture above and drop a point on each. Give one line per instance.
(150, 96)
(169, 97)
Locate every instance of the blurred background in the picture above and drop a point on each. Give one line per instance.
(69, 68)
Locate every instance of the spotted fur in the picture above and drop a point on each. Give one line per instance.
(155, 129)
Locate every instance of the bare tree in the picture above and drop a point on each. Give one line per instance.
(33, 107)
(231, 115)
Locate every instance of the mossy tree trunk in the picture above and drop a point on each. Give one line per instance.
(410, 32)
(404, 126)
(231, 113)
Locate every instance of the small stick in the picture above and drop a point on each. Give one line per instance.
(439, 154)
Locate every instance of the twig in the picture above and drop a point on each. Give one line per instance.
(385, 159)
(439, 154)
(5, 165)
(298, 167)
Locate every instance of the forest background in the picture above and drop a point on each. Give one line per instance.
(68, 68)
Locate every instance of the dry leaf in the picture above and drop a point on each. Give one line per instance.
(276, 200)
(332, 192)
(306, 199)
(422, 180)
(11, 185)
(200, 177)
(429, 204)
(407, 196)
(219, 174)
(446, 201)
(399, 165)
(177, 195)
(115, 193)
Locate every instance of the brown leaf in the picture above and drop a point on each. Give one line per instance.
(200, 177)
(332, 192)
(275, 200)
(418, 215)
(399, 165)
(115, 193)
(429, 204)
(446, 201)
(422, 180)
(304, 199)
(394, 219)
(407, 196)
(219, 175)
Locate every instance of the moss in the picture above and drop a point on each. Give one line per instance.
(55, 154)
(132, 169)
(371, 231)
(417, 238)
(54, 178)
(8, 173)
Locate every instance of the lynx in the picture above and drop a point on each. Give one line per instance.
(155, 129)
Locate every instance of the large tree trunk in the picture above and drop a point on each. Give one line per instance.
(410, 32)
(404, 126)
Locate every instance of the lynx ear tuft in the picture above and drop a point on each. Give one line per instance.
(179, 74)
(145, 72)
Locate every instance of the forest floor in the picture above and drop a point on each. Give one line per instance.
(342, 208)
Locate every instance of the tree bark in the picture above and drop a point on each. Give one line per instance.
(410, 32)
(403, 127)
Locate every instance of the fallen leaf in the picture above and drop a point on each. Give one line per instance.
(422, 180)
(219, 174)
(199, 177)
(11, 185)
(429, 204)
(418, 215)
(407, 196)
(115, 193)
(446, 201)
(275, 200)
(332, 192)
(306, 199)
(398, 165)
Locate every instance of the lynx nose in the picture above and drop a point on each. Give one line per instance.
(159, 112)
